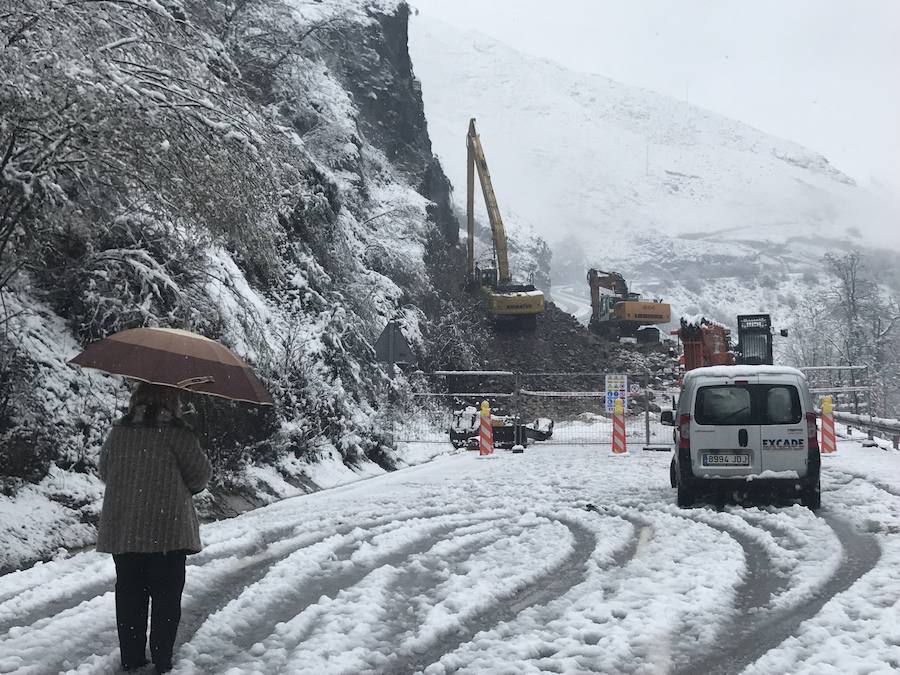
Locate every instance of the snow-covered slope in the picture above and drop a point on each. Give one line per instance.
(234, 169)
(715, 215)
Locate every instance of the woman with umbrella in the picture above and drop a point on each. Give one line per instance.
(152, 464)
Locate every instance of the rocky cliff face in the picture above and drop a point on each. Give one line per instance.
(255, 170)
(374, 65)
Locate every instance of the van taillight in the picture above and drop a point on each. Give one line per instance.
(812, 434)
(684, 432)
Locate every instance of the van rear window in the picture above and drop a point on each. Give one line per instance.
(723, 405)
(743, 404)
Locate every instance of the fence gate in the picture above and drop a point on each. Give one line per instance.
(577, 403)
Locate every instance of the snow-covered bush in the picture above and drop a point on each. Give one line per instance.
(205, 165)
(133, 273)
(112, 110)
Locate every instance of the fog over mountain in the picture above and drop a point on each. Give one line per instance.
(623, 178)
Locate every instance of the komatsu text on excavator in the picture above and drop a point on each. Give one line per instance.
(505, 300)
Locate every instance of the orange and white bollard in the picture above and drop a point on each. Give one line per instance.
(619, 445)
(829, 440)
(486, 440)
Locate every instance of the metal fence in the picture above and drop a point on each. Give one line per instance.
(885, 428)
(574, 402)
(850, 386)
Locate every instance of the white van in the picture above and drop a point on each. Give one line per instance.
(742, 428)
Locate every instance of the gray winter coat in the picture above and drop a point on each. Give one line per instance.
(151, 470)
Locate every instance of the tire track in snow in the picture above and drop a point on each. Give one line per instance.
(329, 578)
(543, 590)
(884, 487)
(38, 577)
(236, 581)
(49, 605)
(262, 558)
(418, 578)
(760, 583)
(413, 578)
(223, 586)
(643, 533)
(755, 633)
(59, 597)
(196, 614)
(331, 582)
(785, 536)
(101, 637)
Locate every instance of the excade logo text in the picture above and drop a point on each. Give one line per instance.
(785, 443)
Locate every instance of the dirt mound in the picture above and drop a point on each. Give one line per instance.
(560, 344)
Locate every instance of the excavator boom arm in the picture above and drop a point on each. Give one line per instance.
(476, 160)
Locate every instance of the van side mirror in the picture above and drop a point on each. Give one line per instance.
(667, 417)
(783, 332)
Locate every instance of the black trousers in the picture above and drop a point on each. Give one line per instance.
(140, 579)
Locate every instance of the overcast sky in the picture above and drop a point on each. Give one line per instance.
(823, 73)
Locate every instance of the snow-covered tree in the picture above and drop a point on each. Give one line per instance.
(854, 321)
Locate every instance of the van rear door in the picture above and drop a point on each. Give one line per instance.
(725, 440)
(782, 426)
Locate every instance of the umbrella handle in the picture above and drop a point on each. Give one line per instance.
(194, 381)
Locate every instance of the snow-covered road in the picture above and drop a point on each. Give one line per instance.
(563, 559)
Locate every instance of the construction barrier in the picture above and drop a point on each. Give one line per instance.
(558, 408)
(619, 444)
(486, 441)
(829, 442)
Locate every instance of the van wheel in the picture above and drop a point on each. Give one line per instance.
(685, 496)
(811, 497)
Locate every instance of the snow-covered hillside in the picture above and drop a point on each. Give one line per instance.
(231, 168)
(714, 215)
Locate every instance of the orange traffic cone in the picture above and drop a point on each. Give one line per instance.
(486, 441)
(829, 440)
(619, 445)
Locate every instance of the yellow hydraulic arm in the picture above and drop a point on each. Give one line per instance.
(475, 158)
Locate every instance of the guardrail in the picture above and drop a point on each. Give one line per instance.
(872, 425)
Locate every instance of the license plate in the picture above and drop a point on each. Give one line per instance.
(726, 460)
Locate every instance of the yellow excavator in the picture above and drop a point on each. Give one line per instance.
(617, 312)
(505, 300)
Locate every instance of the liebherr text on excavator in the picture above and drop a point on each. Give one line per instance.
(505, 299)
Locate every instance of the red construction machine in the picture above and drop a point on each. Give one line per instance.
(705, 344)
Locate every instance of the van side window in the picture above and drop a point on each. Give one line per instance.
(723, 405)
(782, 405)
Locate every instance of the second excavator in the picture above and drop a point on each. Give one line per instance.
(505, 300)
(617, 312)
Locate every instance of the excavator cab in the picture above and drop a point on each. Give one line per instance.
(606, 304)
(488, 276)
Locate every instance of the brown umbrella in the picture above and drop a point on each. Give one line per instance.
(176, 358)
